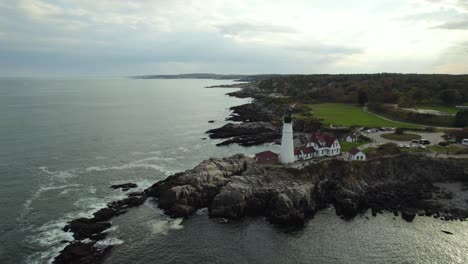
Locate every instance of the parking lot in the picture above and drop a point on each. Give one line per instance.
(433, 137)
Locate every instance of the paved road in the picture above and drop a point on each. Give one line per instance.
(434, 138)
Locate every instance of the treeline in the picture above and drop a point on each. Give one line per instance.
(403, 89)
(413, 117)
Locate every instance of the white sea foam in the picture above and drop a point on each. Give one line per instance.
(165, 225)
(110, 241)
(27, 204)
(183, 149)
(142, 163)
(67, 174)
(202, 211)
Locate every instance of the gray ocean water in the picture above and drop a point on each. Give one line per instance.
(63, 142)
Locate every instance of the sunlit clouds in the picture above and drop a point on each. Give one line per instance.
(84, 37)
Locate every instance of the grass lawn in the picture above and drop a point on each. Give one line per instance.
(443, 109)
(347, 146)
(349, 114)
(401, 137)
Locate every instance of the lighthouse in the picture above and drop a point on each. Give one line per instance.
(287, 142)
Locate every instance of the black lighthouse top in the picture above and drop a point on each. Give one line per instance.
(287, 115)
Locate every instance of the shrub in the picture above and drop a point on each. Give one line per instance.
(443, 143)
(399, 131)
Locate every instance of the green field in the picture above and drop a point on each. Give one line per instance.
(443, 109)
(348, 115)
(401, 137)
(347, 146)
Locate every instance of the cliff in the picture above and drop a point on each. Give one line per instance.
(236, 186)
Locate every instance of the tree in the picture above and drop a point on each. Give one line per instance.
(399, 131)
(362, 97)
(461, 119)
(450, 96)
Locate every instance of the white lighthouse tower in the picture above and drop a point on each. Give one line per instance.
(287, 141)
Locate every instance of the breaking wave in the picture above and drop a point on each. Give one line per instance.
(164, 226)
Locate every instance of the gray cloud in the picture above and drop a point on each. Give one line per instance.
(459, 25)
(252, 28)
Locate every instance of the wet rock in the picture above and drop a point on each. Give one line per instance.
(236, 187)
(408, 215)
(82, 253)
(85, 227)
(124, 187)
(246, 134)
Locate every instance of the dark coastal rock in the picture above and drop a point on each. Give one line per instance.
(408, 215)
(85, 227)
(255, 112)
(124, 187)
(93, 229)
(246, 134)
(82, 253)
(246, 92)
(236, 187)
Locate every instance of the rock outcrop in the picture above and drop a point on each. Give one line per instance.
(88, 231)
(246, 134)
(124, 186)
(236, 187)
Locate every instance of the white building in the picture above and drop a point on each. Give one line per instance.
(356, 154)
(287, 141)
(351, 138)
(324, 145)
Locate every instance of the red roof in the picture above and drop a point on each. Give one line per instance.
(323, 140)
(297, 152)
(354, 151)
(308, 150)
(266, 154)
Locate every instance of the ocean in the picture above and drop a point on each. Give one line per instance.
(63, 142)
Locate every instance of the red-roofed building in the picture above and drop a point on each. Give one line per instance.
(308, 152)
(324, 145)
(266, 157)
(356, 154)
(298, 154)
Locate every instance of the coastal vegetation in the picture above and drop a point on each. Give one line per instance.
(347, 146)
(386, 94)
(401, 136)
(350, 115)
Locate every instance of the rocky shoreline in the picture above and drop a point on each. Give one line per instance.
(235, 187)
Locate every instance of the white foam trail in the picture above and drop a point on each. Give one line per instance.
(142, 163)
(38, 193)
(59, 174)
(164, 226)
(110, 241)
(90, 190)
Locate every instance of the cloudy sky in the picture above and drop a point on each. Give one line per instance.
(116, 37)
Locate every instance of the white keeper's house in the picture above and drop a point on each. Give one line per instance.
(319, 145)
(324, 145)
(356, 154)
